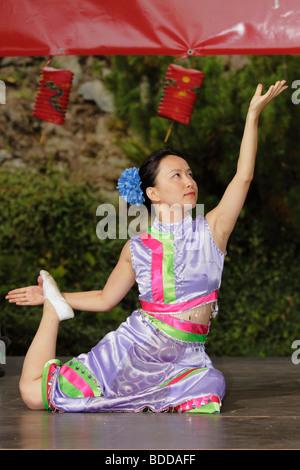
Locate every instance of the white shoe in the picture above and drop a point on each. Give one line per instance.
(53, 294)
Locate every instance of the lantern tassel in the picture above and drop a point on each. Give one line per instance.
(169, 132)
(42, 137)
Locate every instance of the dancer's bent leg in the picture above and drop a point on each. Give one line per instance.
(43, 346)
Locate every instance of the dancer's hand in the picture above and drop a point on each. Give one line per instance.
(259, 101)
(30, 295)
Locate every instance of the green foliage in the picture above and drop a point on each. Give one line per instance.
(48, 221)
(259, 301)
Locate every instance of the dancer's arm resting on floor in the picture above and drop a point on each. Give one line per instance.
(117, 286)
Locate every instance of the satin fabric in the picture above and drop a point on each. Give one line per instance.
(191, 266)
(133, 363)
(153, 361)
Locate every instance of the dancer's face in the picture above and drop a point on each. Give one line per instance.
(174, 184)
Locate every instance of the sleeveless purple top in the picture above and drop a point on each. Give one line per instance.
(178, 266)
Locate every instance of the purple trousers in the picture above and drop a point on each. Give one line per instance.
(151, 362)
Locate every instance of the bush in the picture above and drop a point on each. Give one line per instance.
(50, 223)
(259, 298)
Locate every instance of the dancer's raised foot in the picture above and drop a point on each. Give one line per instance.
(52, 293)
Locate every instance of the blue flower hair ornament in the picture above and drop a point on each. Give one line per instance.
(129, 186)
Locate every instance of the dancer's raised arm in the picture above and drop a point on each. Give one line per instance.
(222, 219)
(117, 286)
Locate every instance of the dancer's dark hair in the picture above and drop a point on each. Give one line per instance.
(149, 169)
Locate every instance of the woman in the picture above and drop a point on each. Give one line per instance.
(155, 360)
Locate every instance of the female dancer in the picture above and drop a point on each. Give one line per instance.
(156, 360)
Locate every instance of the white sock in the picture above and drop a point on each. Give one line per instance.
(53, 294)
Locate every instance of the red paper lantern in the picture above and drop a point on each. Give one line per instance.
(181, 88)
(53, 95)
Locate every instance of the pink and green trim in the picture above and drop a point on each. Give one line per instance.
(163, 277)
(185, 331)
(162, 272)
(47, 381)
(183, 375)
(177, 323)
(74, 380)
(179, 306)
(207, 404)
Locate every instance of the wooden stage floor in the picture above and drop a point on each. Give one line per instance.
(261, 411)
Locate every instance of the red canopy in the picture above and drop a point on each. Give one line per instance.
(149, 27)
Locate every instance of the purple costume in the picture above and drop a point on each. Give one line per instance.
(154, 361)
